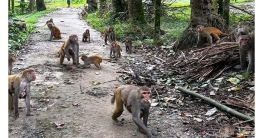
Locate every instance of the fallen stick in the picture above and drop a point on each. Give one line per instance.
(215, 103)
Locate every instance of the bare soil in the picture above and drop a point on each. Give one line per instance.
(84, 107)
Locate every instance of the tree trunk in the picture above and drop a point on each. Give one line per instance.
(136, 12)
(226, 11)
(119, 6)
(102, 7)
(203, 13)
(156, 36)
(220, 7)
(40, 5)
(92, 5)
(22, 6)
(31, 5)
(13, 6)
(9, 5)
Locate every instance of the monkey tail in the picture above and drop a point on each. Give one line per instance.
(113, 97)
(224, 34)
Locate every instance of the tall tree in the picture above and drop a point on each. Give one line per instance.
(102, 7)
(136, 12)
(226, 11)
(40, 5)
(22, 6)
(92, 5)
(31, 5)
(203, 13)
(118, 6)
(157, 22)
(13, 6)
(9, 5)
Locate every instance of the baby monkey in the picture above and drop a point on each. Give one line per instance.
(96, 60)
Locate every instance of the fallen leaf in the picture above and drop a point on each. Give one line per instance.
(228, 131)
(234, 80)
(154, 104)
(212, 93)
(59, 123)
(211, 111)
(198, 119)
(75, 104)
(188, 115)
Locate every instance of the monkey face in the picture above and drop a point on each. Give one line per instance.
(146, 96)
(111, 29)
(83, 57)
(49, 25)
(73, 37)
(199, 28)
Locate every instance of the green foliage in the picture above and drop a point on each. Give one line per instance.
(180, 4)
(16, 38)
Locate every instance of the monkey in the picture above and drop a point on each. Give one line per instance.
(115, 50)
(54, 31)
(70, 48)
(96, 60)
(50, 21)
(128, 44)
(247, 45)
(11, 58)
(20, 84)
(137, 101)
(84, 14)
(85, 36)
(209, 32)
(109, 34)
(22, 27)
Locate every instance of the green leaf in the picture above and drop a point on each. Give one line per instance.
(234, 80)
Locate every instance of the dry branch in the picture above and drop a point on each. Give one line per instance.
(215, 103)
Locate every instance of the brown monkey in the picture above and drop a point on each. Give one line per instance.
(22, 27)
(246, 44)
(21, 85)
(55, 32)
(137, 101)
(50, 21)
(209, 32)
(70, 48)
(96, 60)
(84, 14)
(85, 36)
(115, 50)
(109, 34)
(128, 44)
(11, 58)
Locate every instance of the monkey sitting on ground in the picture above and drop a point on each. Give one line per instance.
(55, 32)
(86, 36)
(115, 50)
(22, 27)
(19, 87)
(84, 14)
(96, 60)
(70, 48)
(11, 58)
(128, 45)
(137, 101)
(209, 32)
(109, 34)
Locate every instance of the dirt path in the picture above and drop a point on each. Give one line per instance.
(92, 118)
